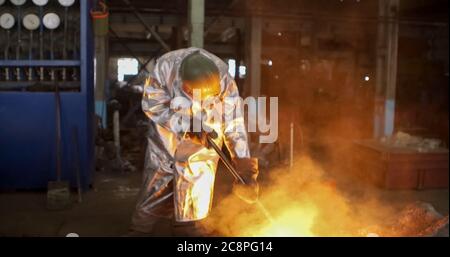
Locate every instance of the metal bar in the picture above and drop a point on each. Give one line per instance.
(147, 27)
(236, 13)
(41, 43)
(77, 161)
(44, 63)
(225, 160)
(30, 55)
(19, 40)
(291, 151)
(66, 9)
(58, 132)
(236, 175)
(52, 56)
(20, 85)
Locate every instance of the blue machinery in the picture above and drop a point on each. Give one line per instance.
(34, 59)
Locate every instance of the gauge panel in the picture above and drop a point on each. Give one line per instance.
(31, 21)
(66, 3)
(7, 20)
(51, 20)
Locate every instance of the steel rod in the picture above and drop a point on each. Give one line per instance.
(236, 175)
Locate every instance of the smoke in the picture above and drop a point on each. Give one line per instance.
(323, 92)
(303, 201)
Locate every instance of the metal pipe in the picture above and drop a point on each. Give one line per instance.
(291, 149)
(77, 161)
(41, 43)
(66, 9)
(19, 40)
(30, 56)
(58, 132)
(7, 53)
(116, 124)
(52, 56)
(75, 55)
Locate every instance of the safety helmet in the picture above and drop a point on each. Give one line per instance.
(198, 72)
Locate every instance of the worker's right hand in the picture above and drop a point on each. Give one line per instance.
(201, 136)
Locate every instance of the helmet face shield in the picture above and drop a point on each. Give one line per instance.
(200, 76)
(208, 87)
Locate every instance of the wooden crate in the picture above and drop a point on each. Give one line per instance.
(401, 168)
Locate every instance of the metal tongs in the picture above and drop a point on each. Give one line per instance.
(235, 174)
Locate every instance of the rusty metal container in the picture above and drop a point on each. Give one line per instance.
(401, 168)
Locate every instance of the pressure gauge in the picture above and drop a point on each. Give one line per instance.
(66, 3)
(18, 2)
(2, 2)
(40, 2)
(7, 21)
(51, 20)
(31, 21)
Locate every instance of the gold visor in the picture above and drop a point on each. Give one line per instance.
(208, 87)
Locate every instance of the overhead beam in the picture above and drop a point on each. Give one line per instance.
(147, 27)
(141, 49)
(219, 17)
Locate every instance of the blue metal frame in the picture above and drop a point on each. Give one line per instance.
(39, 63)
(27, 123)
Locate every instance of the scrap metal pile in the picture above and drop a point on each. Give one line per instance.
(416, 219)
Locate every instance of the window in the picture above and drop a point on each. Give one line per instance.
(126, 66)
(232, 67)
(242, 71)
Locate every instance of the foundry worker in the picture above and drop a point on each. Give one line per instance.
(179, 169)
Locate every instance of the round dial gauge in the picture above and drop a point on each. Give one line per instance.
(31, 21)
(2, 2)
(7, 21)
(40, 2)
(18, 2)
(66, 3)
(51, 20)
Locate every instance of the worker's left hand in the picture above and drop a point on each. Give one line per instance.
(248, 169)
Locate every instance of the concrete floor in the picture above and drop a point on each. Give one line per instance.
(106, 209)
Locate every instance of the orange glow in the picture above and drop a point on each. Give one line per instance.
(294, 221)
(202, 189)
(303, 202)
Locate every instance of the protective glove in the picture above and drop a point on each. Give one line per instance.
(201, 137)
(248, 169)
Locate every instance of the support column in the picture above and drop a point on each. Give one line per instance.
(196, 17)
(253, 56)
(101, 76)
(386, 68)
